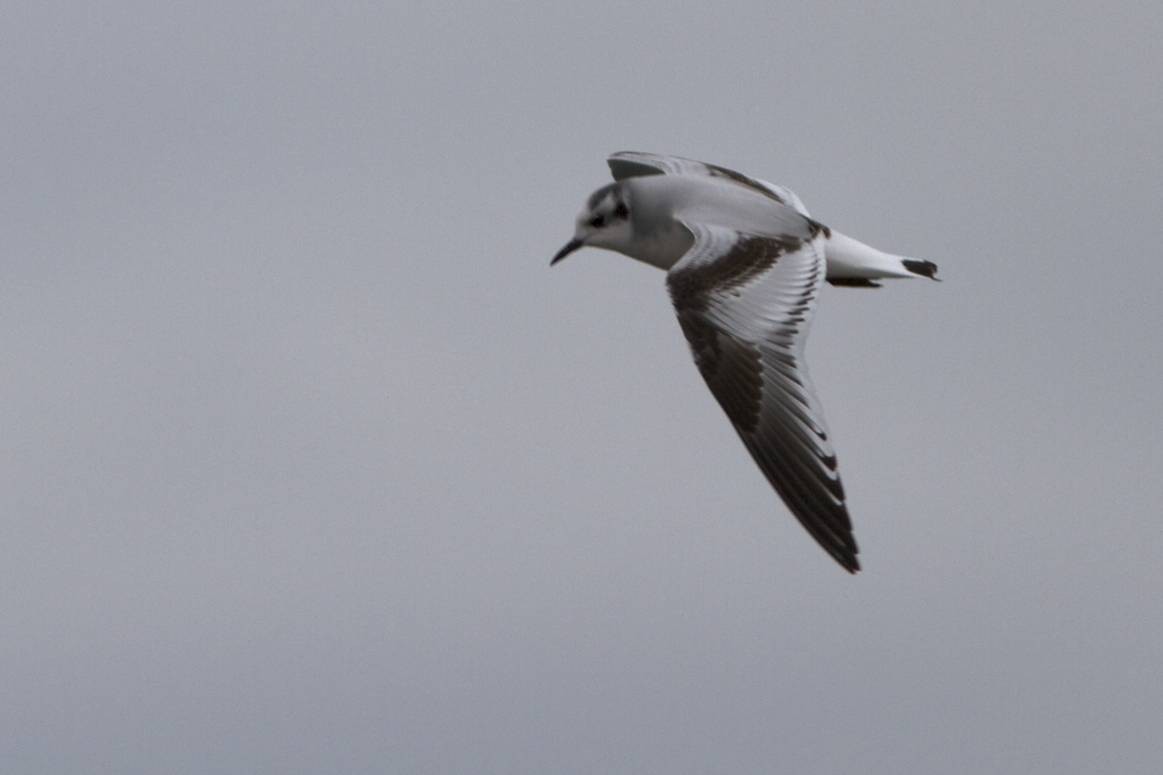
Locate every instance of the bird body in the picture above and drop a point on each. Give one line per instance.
(745, 263)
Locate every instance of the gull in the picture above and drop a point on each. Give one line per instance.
(744, 265)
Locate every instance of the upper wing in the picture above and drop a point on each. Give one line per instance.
(745, 303)
(629, 164)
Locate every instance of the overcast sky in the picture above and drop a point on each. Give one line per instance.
(310, 464)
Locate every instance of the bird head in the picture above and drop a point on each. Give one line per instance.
(603, 223)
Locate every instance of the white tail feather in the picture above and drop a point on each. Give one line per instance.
(850, 259)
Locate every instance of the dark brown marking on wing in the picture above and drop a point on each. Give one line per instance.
(815, 228)
(755, 368)
(749, 258)
(738, 177)
(733, 368)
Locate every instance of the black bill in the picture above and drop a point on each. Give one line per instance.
(570, 247)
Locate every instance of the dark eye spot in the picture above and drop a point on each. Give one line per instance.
(597, 221)
(621, 211)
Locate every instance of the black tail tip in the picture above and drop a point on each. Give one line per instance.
(921, 268)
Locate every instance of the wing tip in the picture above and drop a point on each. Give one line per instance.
(839, 544)
(631, 164)
(845, 555)
(842, 547)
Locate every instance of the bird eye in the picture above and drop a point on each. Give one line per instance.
(597, 221)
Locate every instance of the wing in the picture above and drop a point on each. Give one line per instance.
(745, 303)
(629, 164)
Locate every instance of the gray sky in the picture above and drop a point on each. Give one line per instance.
(310, 464)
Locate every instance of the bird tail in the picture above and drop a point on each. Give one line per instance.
(853, 264)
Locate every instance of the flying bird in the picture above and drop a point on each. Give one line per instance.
(744, 264)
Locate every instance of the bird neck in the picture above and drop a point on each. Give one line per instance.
(659, 247)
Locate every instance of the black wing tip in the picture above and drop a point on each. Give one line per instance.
(842, 547)
(844, 553)
(839, 544)
(921, 268)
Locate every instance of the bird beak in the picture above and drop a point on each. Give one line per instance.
(570, 247)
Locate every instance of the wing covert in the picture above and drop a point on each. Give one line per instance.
(629, 164)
